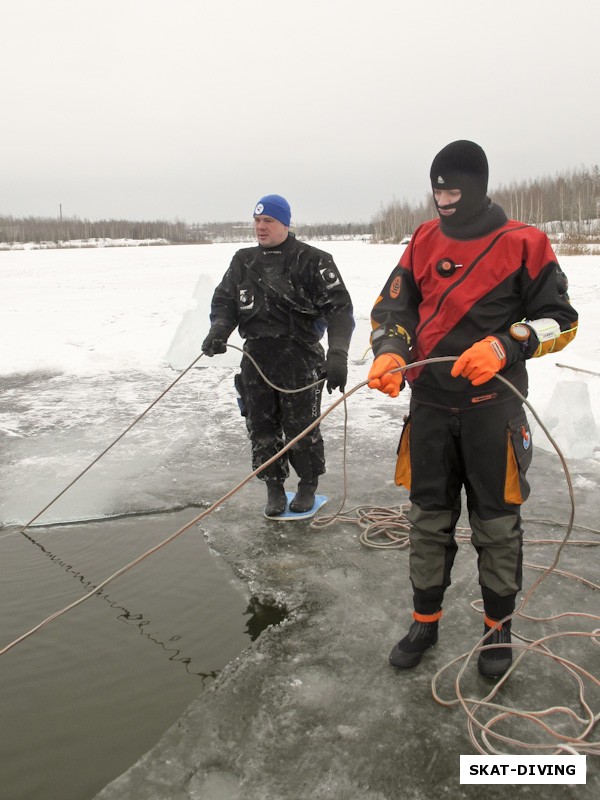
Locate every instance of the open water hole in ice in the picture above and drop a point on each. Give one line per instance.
(84, 697)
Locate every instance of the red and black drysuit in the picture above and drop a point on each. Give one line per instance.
(446, 294)
(282, 299)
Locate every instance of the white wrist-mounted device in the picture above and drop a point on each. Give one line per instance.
(545, 329)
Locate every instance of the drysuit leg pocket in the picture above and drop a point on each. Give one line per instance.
(519, 451)
(403, 474)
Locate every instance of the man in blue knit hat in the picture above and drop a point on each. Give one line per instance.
(282, 295)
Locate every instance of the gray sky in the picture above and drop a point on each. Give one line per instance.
(192, 109)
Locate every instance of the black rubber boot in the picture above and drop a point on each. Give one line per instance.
(304, 499)
(276, 499)
(494, 663)
(409, 651)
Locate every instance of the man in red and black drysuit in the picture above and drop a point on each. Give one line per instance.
(283, 295)
(489, 290)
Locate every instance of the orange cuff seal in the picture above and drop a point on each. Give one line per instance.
(492, 623)
(427, 617)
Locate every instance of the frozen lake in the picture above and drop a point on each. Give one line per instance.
(91, 338)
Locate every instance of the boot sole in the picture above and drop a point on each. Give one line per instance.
(274, 512)
(301, 509)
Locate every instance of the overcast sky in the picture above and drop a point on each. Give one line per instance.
(190, 109)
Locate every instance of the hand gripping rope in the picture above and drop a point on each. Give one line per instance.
(378, 522)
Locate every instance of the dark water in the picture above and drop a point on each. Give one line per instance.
(83, 698)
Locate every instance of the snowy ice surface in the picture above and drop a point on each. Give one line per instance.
(91, 337)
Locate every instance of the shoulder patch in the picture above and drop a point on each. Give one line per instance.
(395, 287)
(330, 277)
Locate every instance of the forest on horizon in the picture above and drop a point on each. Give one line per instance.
(567, 206)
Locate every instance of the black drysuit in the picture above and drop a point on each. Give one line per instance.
(282, 300)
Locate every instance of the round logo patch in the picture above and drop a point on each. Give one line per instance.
(446, 267)
(259, 209)
(395, 287)
(329, 277)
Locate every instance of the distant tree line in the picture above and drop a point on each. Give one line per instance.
(244, 231)
(332, 230)
(399, 219)
(567, 204)
(52, 229)
(49, 229)
(221, 231)
(571, 201)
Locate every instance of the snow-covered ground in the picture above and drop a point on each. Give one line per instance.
(92, 336)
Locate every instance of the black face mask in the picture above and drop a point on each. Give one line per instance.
(490, 217)
(471, 205)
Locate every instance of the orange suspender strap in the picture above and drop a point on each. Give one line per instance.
(427, 617)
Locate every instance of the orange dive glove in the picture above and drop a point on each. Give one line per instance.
(380, 375)
(481, 361)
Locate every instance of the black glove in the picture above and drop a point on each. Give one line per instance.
(214, 344)
(336, 369)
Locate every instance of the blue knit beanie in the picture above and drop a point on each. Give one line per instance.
(276, 206)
